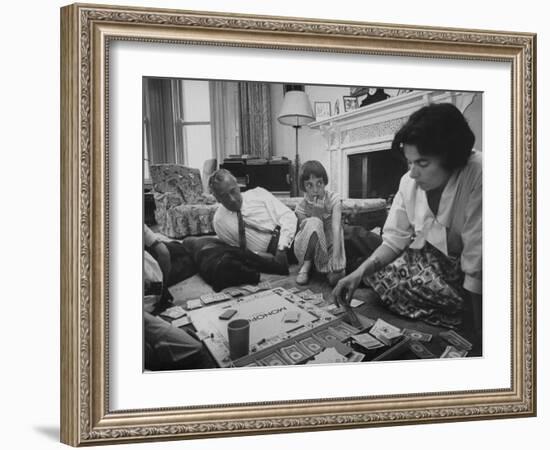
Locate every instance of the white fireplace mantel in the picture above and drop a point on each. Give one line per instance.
(372, 128)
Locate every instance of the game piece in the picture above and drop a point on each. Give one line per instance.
(335, 310)
(419, 350)
(317, 300)
(291, 316)
(203, 335)
(453, 352)
(305, 294)
(417, 335)
(227, 314)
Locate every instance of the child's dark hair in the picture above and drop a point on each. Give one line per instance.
(309, 168)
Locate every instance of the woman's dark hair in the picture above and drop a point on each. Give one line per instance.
(310, 168)
(440, 130)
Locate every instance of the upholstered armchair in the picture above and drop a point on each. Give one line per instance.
(182, 207)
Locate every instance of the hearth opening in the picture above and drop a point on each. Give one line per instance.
(375, 174)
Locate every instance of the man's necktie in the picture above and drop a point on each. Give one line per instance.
(242, 234)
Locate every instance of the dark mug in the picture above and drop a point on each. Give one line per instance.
(238, 333)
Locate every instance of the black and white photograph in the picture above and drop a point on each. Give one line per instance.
(242, 254)
(350, 103)
(272, 237)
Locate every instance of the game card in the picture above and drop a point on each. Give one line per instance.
(327, 337)
(174, 312)
(453, 352)
(417, 335)
(312, 345)
(367, 341)
(273, 360)
(356, 357)
(456, 340)
(343, 330)
(182, 321)
(294, 354)
(355, 303)
(419, 350)
(194, 304)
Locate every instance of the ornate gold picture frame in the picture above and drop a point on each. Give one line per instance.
(87, 32)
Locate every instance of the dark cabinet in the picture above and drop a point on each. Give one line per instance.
(271, 175)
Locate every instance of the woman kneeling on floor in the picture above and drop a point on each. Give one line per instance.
(429, 265)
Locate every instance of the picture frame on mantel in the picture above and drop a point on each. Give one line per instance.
(106, 397)
(322, 110)
(350, 103)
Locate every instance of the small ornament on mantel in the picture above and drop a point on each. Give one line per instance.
(337, 107)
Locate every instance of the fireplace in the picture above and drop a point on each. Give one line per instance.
(374, 174)
(359, 162)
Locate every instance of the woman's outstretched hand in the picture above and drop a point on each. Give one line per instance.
(343, 292)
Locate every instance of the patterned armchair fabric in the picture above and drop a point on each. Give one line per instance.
(182, 208)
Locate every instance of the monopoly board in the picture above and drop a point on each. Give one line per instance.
(268, 312)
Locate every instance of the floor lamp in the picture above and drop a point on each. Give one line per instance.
(295, 112)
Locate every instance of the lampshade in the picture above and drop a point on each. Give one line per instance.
(296, 110)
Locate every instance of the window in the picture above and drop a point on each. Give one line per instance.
(176, 122)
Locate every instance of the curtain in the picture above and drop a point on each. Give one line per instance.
(255, 119)
(224, 119)
(159, 121)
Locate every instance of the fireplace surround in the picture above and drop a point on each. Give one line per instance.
(353, 135)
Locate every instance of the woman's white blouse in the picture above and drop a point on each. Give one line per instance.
(457, 228)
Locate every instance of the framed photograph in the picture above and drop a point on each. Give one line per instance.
(163, 109)
(322, 110)
(350, 103)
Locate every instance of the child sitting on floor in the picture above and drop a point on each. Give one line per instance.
(320, 238)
